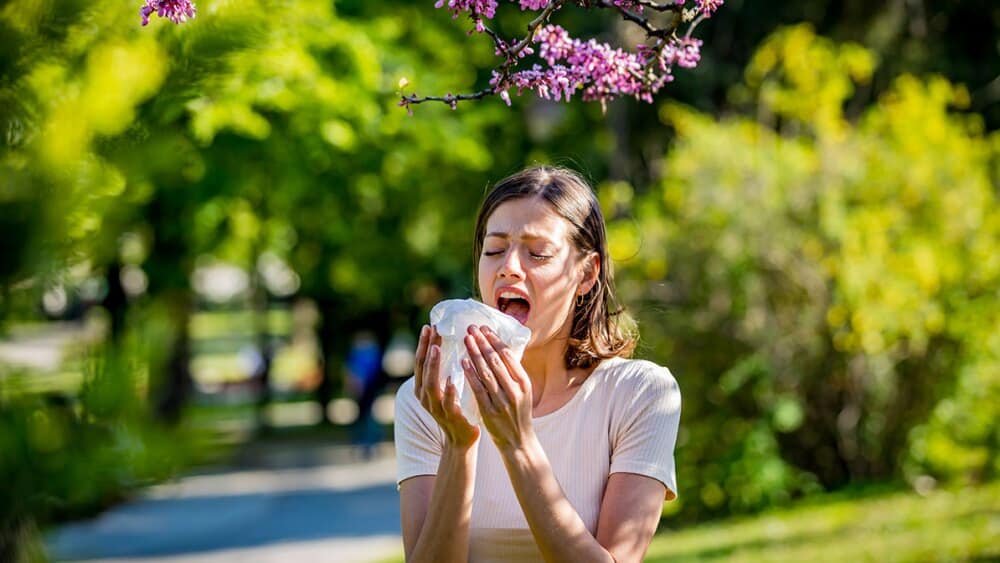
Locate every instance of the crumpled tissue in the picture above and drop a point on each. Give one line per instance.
(452, 318)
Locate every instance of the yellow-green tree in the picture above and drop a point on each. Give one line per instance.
(258, 127)
(825, 288)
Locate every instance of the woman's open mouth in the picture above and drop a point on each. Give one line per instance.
(514, 303)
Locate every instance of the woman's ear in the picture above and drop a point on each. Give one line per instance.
(591, 273)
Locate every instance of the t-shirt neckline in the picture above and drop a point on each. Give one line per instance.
(584, 387)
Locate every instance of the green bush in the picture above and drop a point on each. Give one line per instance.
(824, 285)
(66, 457)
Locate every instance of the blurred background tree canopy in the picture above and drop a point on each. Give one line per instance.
(807, 230)
(828, 287)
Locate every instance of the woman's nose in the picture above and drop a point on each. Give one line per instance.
(511, 266)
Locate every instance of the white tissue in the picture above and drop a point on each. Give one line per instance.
(452, 318)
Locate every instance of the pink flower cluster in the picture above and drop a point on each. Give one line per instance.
(486, 8)
(177, 11)
(684, 52)
(707, 7)
(475, 8)
(600, 71)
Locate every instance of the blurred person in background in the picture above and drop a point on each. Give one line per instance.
(364, 382)
(579, 454)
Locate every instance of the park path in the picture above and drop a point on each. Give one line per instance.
(339, 510)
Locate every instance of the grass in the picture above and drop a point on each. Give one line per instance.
(945, 525)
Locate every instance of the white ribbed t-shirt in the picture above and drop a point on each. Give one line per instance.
(622, 419)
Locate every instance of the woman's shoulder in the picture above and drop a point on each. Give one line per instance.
(636, 372)
(406, 396)
(631, 386)
(407, 386)
(410, 414)
(634, 377)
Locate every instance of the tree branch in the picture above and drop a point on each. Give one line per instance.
(653, 76)
(510, 52)
(658, 7)
(650, 29)
(536, 23)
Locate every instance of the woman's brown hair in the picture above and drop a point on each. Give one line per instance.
(600, 328)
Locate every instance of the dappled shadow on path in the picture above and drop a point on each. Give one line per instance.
(175, 526)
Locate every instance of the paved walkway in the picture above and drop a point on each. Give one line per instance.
(339, 512)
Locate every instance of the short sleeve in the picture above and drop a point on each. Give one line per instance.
(644, 428)
(417, 436)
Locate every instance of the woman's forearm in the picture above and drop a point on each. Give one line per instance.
(444, 535)
(556, 526)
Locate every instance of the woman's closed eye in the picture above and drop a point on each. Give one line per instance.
(534, 255)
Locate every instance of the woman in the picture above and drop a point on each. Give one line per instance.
(579, 456)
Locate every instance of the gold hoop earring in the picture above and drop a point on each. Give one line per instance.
(579, 300)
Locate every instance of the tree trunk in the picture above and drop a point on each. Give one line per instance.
(332, 346)
(175, 386)
(20, 541)
(266, 349)
(116, 301)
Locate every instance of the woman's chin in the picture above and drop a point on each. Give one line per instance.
(536, 342)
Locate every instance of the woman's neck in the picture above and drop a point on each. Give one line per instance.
(546, 367)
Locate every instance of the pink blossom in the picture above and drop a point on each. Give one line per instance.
(476, 8)
(598, 70)
(707, 7)
(685, 52)
(508, 46)
(177, 11)
(406, 103)
(555, 43)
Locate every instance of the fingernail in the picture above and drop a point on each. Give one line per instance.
(466, 363)
(486, 330)
(434, 351)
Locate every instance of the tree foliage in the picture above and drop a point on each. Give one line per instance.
(260, 130)
(818, 266)
(825, 288)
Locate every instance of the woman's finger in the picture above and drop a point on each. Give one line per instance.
(434, 343)
(474, 382)
(452, 405)
(482, 368)
(506, 354)
(432, 374)
(418, 364)
(491, 355)
(450, 402)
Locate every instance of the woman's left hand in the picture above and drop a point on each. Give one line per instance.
(501, 386)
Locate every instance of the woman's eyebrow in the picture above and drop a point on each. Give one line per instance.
(526, 236)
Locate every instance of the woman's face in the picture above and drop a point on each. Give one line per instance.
(529, 269)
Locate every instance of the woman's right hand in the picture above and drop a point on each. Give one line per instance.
(443, 405)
